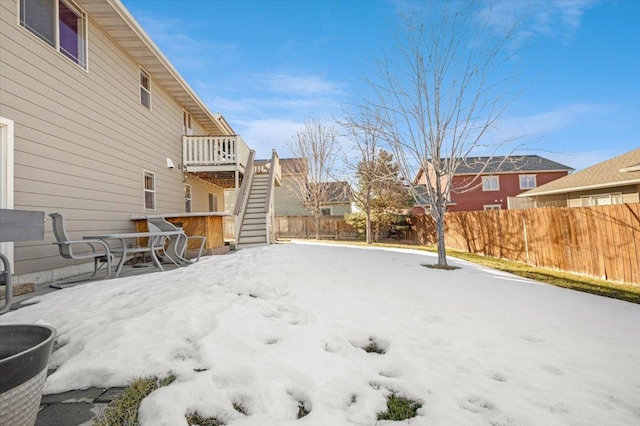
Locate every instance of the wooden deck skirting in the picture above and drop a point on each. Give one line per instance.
(209, 225)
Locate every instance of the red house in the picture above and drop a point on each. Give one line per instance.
(486, 183)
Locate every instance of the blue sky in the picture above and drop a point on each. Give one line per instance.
(269, 66)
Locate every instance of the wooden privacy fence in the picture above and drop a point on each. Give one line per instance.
(305, 227)
(601, 241)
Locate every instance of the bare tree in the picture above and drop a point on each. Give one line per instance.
(441, 92)
(378, 186)
(317, 148)
(364, 133)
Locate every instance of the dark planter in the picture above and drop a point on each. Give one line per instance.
(24, 357)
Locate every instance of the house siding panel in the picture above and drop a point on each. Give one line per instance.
(286, 202)
(82, 139)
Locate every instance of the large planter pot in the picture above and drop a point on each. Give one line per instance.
(24, 356)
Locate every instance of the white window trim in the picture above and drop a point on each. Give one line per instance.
(492, 207)
(497, 179)
(141, 87)
(187, 130)
(6, 177)
(189, 198)
(591, 198)
(535, 181)
(145, 190)
(71, 5)
(326, 207)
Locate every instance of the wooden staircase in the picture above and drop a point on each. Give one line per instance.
(255, 205)
(253, 230)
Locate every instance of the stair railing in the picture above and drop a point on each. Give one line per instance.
(274, 173)
(243, 196)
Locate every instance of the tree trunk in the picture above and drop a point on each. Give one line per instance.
(368, 228)
(442, 254)
(317, 227)
(377, 234)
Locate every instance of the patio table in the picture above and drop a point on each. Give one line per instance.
(154, 239)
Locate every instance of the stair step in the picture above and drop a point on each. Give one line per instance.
(252, 233)
(254, 227)
(249, 245)
(252, 240)
(253, 220)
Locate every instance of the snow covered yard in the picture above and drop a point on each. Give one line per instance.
(275, 326)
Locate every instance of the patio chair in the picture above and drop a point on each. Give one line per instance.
(68, 248)
(176, 246)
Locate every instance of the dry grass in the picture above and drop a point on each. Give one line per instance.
(399, 408)
(123, 411)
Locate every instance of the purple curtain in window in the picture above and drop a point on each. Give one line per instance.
(69, 32)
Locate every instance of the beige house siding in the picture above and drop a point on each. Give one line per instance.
(629, 194)
(83, 139)
(200, 191)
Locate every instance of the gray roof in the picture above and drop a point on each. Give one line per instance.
(509, 164)
(618, 171)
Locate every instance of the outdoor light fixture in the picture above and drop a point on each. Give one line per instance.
(170, 163)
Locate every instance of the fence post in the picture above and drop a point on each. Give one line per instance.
(526, 242)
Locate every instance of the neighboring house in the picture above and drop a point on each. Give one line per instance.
(614, 181)
(338, 200)
(287, 202)
(96, 123)
(487, 183)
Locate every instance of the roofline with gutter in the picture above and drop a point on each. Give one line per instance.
(580, 188)
(126, 16)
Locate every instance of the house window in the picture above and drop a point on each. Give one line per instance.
(490, 183)
(187, 198)
(492, 207)
(213, 202)
(602, 199)
(325, 211)
(145, 89)
(149, 191)
(527, 181)
(187, 126)
(60, 24)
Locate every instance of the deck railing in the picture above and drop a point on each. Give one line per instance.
(269, 207)
(214, 150)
